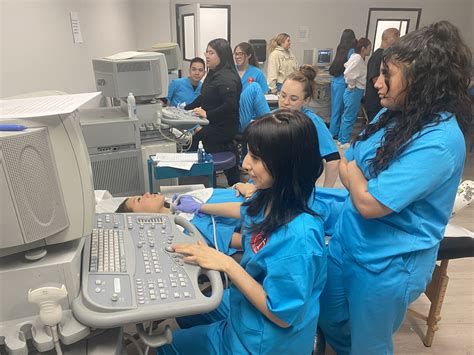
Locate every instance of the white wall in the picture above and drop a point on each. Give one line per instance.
(37, 49)
(152, 20)
(327, 19)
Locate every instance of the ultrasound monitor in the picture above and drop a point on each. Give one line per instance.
(324, 57)
(45, 183)
(145, 74)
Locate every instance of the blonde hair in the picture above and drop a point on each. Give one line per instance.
(277, 41)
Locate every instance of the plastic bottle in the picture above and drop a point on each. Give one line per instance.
(132, 106)
(201, 153)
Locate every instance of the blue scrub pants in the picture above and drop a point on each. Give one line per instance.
(351, 100)
(360, 309)
(194, 337)
(337, 106)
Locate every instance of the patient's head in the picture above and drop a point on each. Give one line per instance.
(147, 203)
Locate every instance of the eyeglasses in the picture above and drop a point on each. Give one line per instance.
(239, 54)
(292, 98)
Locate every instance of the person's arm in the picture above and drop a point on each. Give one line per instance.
(194, 104)
(343, 172)
(230, 100)
(368, 206)
(212, 259)
(227, 209)
(272, 72)
(351, 73)
(244, 189)
(236, 241)
(331, 172)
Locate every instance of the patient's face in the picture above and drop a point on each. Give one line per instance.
(147, 203)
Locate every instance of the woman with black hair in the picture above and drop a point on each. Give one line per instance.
(338, 85)
(219, 103)
(355, 76)
(272, 305)
(402, 174)
(247, 66)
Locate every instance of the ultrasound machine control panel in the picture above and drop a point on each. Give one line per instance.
(131, 274)
(179, 118)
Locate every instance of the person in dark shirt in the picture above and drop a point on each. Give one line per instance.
(371, 98)
(219, 103)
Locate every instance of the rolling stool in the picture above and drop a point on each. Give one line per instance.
(223, 161)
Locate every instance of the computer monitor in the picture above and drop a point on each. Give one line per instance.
(324, 57)
(45, 183)
(145, 74)
(172, 54)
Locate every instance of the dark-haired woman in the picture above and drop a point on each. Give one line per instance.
(219, 103)
(272, 305)
(247, 66)
(344, 51)
(402, 174)
(355, 76)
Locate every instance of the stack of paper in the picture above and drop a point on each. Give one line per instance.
(183, 161)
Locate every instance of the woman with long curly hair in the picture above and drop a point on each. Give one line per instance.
(402, 174)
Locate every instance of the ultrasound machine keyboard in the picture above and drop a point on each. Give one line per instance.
(180, 118)
(131, 274)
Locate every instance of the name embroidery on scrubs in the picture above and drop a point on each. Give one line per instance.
(258, 241)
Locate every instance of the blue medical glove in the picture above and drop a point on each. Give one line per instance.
(186, 204)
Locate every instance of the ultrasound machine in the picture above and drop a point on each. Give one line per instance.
(71, 279)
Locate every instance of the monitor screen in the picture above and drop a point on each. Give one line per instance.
(324, 56)
(45, 183)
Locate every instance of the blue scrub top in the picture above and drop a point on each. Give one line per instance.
(225, 227)
(252, 105)
(419, 186)
(340, 79)
(291, 266)
(181, 90)
(254, 74)
(326, 144)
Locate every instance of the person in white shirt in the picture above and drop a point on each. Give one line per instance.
(355, 76)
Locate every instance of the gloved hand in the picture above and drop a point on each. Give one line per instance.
(185, 203)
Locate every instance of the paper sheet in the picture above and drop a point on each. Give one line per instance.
(43, 106)
(130, 54)
(184, 161)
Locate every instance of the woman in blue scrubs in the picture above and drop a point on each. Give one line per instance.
(402, 174)
(355, 76)
(338, 85)
(186, 90)
(247, 66)
(273, 302)
(297, 90)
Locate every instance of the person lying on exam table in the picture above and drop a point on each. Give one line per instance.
(227, 229)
